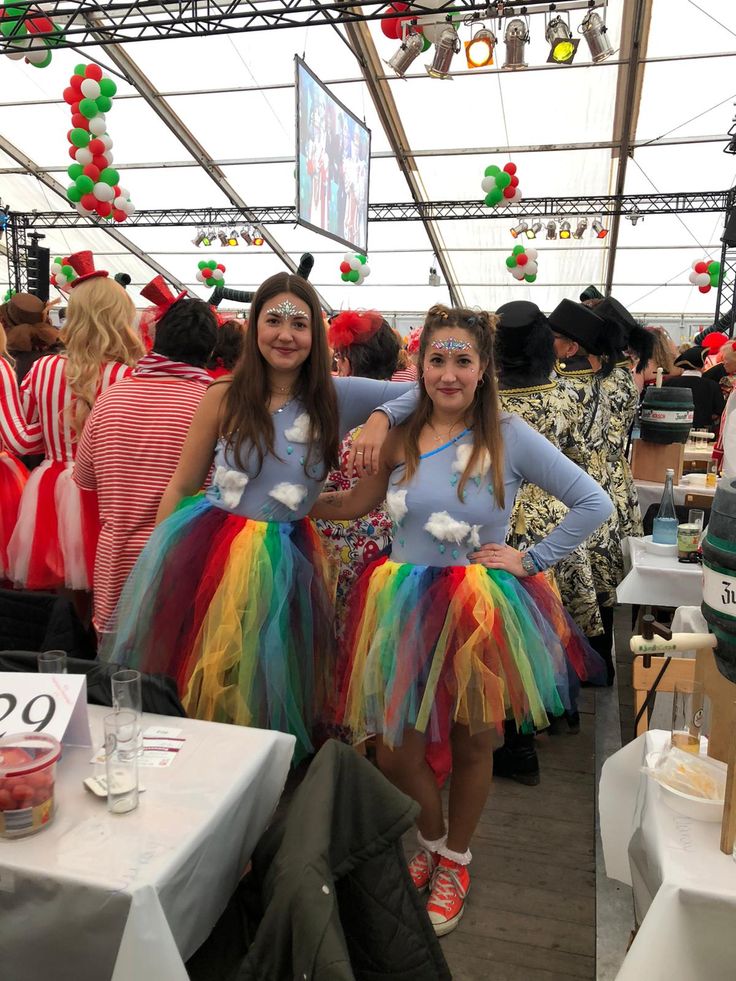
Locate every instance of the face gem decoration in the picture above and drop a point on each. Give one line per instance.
(287, 309)
(451, 344)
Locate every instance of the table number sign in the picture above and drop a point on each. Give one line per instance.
(51, 703)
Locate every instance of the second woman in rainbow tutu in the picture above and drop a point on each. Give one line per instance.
(456, 631)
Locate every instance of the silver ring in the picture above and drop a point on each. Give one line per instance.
(362, 452)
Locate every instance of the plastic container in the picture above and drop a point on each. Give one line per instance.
(27, 778)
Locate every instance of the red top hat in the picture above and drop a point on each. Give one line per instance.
(83, 264)
(160, 296)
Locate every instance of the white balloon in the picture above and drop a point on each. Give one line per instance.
(355, 263)
(697, 261)
(108, 156)
(532, 253)
(703, 279)
(218, 274)
(503, 203)
(83, 156)
(16, 55)
(200, 277)
(55, 268)
(90, 89)
(530, 269)
(693, 277)
(98, 126)
(37, 57)
(517, 195)
(105, 137)
(518, 272)
(366, 270)
(488, 183)
(128, 208)
(348, 257)
(103, 192)
(82, 210)
(120, 202)
(61, 280)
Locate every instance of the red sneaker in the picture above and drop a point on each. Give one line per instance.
(422, 866)
(450, 887)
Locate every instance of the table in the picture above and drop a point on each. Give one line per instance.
(651, 493)
(130, 897)
(659, 580)
(684, 886)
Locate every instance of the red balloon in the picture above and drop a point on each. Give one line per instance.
(220, 266)
(96, 147)
(701, 267)
(89, 201)
(69, 136)
(119, 215)
(345, 267)
(390, 28)
(91, 171)
(116, 189)
(207, 273)
(514, 181)
(69, 95)
(75, 109)
(93, 71)
(73, 153)
(704, 289)
(104, 208)
(79, 121)
(75, 82)
(398, 7)
(508, 192)
(510, 168)
(100, 161)
(522, 259)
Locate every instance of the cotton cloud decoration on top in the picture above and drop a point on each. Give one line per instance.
(445, 528)
(290, 495)
(299, 432)
(396, 504)
(462, 457)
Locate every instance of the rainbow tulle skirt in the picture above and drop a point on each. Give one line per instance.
(239, 612)
(426, 647)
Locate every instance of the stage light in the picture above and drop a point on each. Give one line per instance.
(600, 231)
(209, 237)
(245, 235)
(551, 230)
(515, 38)
(535, 229)
(232, 238)
(580, 228)
(562, 44)
(594, 31)
(634, 216)
(434, 279)
(519, 229)
(409, 50)
(257, 238)
(564, 229)
(446, 47)
(479, 50)
(222, 235)
(199, 237)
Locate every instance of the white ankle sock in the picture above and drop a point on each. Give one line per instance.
(431, 846)
(462, 858)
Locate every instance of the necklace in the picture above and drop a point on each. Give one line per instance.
(282, 389)
(438, 437)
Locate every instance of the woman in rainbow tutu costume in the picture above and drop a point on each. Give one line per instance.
(232, 596)
(449, 637)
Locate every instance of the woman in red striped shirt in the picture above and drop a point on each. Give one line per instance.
(55, 536)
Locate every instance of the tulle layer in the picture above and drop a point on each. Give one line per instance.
(426, 647)
(239, 612)
(56, 532)
(13, 477)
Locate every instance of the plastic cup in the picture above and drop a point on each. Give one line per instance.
(121, 761)
(52, 662)
(688, 711)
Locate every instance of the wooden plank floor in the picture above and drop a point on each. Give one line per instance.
(531, 910)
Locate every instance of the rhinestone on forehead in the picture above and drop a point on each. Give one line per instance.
(452, 344)
(287, 309)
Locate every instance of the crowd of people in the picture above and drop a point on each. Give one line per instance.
(313, 527)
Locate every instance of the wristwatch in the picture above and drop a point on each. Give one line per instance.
(528, 564)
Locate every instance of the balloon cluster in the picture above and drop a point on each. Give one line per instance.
(522, 264)
(96, 188)
(31, 22)
(61, 272)
(705, 275)
(501, 187)
(354, 268)
(392, 26)
(211, 273)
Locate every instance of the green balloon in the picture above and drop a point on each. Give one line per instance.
(517, 250)
(511, 261)
(503, 180)
(362, 259)
(57, 260)
(493, 196)
(108, 88)
(103, 103)
(426, 44)
(80, 69)
(110, 176)
(88, 108)
(353, 275)
(85, 184)
(715, 279)
(74, 194)
(68, 272)
(75, 171)
(212, 264)
(530, 279)
(43, 64)
(202, 264)
(714, 268)
(7, 26)
(345, 277)
(79, 137)
(57, 39)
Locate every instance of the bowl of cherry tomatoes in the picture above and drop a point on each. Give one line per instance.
(27, 776)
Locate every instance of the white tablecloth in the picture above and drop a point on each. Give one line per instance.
(684, 886)
(130, 897)
(659, 580)
(650, 493)
(702, 453)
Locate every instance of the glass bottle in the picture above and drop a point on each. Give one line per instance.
(665, 524)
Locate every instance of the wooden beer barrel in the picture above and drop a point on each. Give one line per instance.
(719, 577)
(666, 415)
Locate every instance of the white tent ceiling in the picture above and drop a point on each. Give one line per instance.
(247, 127)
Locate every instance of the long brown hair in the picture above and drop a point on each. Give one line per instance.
(246, 420)
(485, 411)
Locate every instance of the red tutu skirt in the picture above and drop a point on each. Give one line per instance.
(13, 477)
(55, 536)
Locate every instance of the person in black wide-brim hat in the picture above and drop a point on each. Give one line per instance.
(585, 356)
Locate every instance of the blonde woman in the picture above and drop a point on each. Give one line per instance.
(53, 544)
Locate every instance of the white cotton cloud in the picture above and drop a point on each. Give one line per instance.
(231, 484)
(299, 432)
(462, 456)
(396, 504)
(475, 536)
(445, 528)
(291, 495)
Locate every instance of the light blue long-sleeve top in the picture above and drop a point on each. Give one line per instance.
(287, 487)
(433, 527)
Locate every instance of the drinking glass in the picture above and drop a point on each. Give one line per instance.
(126, 694)
(121, 761)
(52, 662)
(711, 477)
(688, 710)
(696, 517)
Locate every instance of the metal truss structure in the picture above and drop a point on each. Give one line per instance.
(726, 299)
(84, 23)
